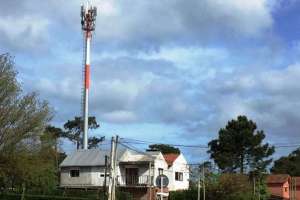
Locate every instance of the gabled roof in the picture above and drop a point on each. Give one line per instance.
(88, 158)
(138, 157)
(170, 158)
(278, 178)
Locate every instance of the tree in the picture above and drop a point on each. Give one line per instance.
(23, 117)
(50, 141)
(222, 186)
(74, 130)
(94, 142)
(239, 147)
(23, 159)
(288, 164)
(164, 148)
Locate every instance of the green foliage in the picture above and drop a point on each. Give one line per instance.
(23, 119)
(74, 130)
(239, 147)
(288, 164)
(23, 116)
(70, 194)
(164, 148)
(225, 187)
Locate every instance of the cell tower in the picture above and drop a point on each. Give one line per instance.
(88, 19)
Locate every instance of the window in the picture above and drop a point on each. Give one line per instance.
(160, 171)
(103, 175)
(178, 176)
(74, 173)
(286, 189)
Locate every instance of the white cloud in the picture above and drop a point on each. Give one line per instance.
(121, 116)
(26, 32)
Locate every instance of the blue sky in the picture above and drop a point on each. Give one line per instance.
(167, 71)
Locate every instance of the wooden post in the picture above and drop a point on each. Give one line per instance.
(111, 180)
(105, 174)
(114, 169)
(23, 191)
(150, 184)
(203, 174)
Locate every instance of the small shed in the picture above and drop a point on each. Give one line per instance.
(84, 169)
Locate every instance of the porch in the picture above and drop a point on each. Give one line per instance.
(134, 181)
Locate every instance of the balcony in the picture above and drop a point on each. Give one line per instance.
(134, 181)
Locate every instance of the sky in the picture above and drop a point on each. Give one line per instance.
(163, 71)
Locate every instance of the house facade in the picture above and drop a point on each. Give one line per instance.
(278, 185)
(178, 172)
(136, 171)
(140, 169)
(83, 169)
(284, 187)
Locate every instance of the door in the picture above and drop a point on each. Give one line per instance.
(132, 176)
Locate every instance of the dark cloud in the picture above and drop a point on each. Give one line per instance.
(138, 25)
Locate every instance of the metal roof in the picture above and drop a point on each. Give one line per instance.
(88, 158)
(278, 178)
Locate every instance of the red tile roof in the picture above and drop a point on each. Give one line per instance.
(170, 158)
(278, 178)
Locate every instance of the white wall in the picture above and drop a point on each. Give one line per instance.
(179, 165)
(159, 163)
(89, 177)
(143, 168)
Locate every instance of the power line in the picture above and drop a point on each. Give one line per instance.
(143, 142)
(134, 141)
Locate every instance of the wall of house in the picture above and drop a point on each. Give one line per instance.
(143, 167)
(298, 193)
(286, 190)
(159, 163)
(279, 189)
(179, 165)
(97, 174)
(143, 172)
(89, 177)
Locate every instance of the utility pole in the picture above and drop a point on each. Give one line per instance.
(111, 180)
(203, 177)
(150, 182)
(105, 174)
(113, 166)
(161, 188)
(199, 185)
(254, 186)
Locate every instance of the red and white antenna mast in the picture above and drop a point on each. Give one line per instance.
(88, 19)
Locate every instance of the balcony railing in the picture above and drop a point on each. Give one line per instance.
(134, 180)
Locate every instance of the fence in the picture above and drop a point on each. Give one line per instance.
(134, 180)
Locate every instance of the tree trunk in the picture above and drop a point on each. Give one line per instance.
(78, 144)
(23, 191)
(242, 164)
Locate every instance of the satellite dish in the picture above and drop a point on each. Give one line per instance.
(162, 181)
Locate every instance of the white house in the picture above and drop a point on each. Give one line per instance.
(178, 172)
(142, 169)
(84, 169)
(136, 171)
